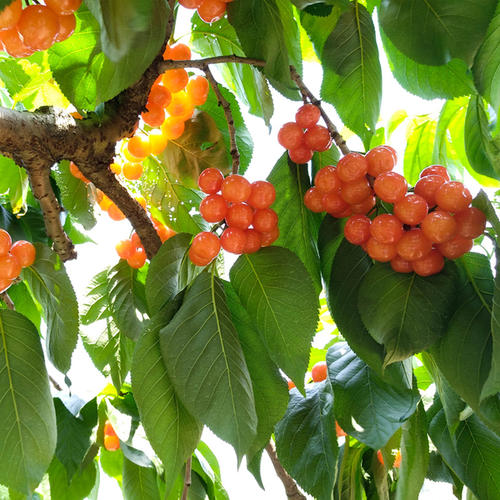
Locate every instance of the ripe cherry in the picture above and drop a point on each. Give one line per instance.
(137, 259)
(253, 241)
(265, 220)
(10, 267)
(307, 115)
(173, 127)
(381, 252)
(470, 222)
(413, 245)
(352, 167)
(132, 171)
(300, 155)
(204, 248)
(291, 135)
(138, 146)
(386, 228)
(390, 187)
(213, 208)
(400, 265)
(235, 188)
(175, 80)
(453, 196)
(24, 252)
(154, 116)
(319, 371)
(411, 209)
(427, 186)
(269, 238)
(439, 226)
(39, 26)
(233, 239)
(10, 15)
(210, 180)
(334, 204)
(435, 170)
(262, 195)
(178, 52)
(115, 213)
(380, 159)
(197, 89)
(364, 206)
(318, 138)
(125, 249)
(456, 247)
(326, 179)
(159, 96)
(357, 229)
(313, 200)
(111, 443)
(211, 10)
(239, 215)
(67, 25)
(190, 4)
(356, 191)
(430, 264)
(5, 242)
(63, 7)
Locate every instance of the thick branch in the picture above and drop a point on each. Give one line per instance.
(187, 479)
(291, 488)
(338, 139)
(235, 154)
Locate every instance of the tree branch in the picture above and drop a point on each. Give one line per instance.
(8, 301)
(338, 139)
(203, 63)
(187, 479)
(291, 488)
(235, 154)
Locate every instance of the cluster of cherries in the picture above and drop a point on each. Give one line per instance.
(304, 136)
(13, 258)
(111, 440)
(209, 10)
(250, 223)
(426, 225)
(37, 26)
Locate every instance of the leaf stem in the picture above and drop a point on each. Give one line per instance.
(187, 479)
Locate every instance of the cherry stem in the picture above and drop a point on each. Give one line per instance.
(187, 479)
(8, 301)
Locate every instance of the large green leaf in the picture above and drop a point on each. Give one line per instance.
(365, 406)
(464, 353)
(350, 475)
(415, 456)
(269, 388)
(278, 293)
(206, 364)
(86, 75)
(481, 149)
(74, 431)
(139, 483)
(29, 227)
(444, 30)
(419, 147)
(278, 33)
(220, 39)
(429, 82)
(171, 430)
(306, 441)
(331, 235)
(50, 284)
(298, 226)
(405, 312)
(243, 138)
(169, 272)
(79, 487)
(487, 63)
(352, 79)
(75, 196)
(25, 303)
(28, 423)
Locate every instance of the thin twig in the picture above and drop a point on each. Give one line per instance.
(339, 140)
(291, 488)
(203, 63)
(8, 301)
(187, 479)
(57, 387)
(235, 154)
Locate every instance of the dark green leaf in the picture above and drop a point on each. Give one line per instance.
(298, 226)
(28, 227)
(220, 39)
(171, 430)
(365, 406)
(306, 442)
(78, 488)
(25, 405)
(269, 388)
(352, 81)
(206, 365)
(350, 480)
(139, 483)
(331, 235)
(170, 272)
(419, 147)
(483, 154)
(429, 82)
(75, 196)
(85, 74)
(74, 434)
(405, 312)
(415, 455)
(441, 32)
(244, 140)
(278, 33)
(52, 288)
(487, 61)
(286, 316)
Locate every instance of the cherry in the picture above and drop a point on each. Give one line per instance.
(137, 259)
(157, 141)
(175, 80)
(456, 247)
(470, 222)
(291, 135)
(213, 208)
(269, 238)
(190, 4)
(132, 171)
(364, 206)
(382, 252)
(265, 220)
(67, 25)
(24, 252)
(439, 226)
(253, 241)
(319, 371)
(233, 239)
(181, 106)
(357, 229)
(413, 245)
(138, 146)
(158, 96)
(313, 200)
(235, 188)
(356, 191)
(115, 213)
(39, 26)
(435, 170)
(178, 52)
(430, 264)
(352, 167)
(204, 248)
(13, 43)
(262, 195)
(197, 90)
(300, 154)
(380, 160)
(10, 267)
(326, 179)
(317, 138)
(386, 228)
(427, 186)
(125, 249)
(334, 204)
(63, 7)
(10, 15)
(239, 215)
(453, 196)
(210, 180)
(307, 115)
(411, 209)
(111, 443)
(4, 284)
(154, 116)
(390, 187)
(173, 127)
(400, 265)
(211, 10)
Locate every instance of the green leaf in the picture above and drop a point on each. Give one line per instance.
(139, 483)
(298, 226)
(366, 407)
(201, 350)
(13, 183)
(482, 202)
(464, 353)
(243, 138)
(481, 150)
(286, 316)
(50, 284)
(415, 455)
(278, 32)
(405, 312)
(441, 33)
(170, 272)
(429, 82)
(25, 405)
(74, 433)
(126, 296)
(306, 442)
(487, 62)
(419, 147)
(350, 481)
(248, 82)
(331, 235)
(29, 227)
(352, 81)
(25, 303)
(75, 196)
(112, 463)
(85, 74)
(78, 488)
(171, 430)
(269, 388)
